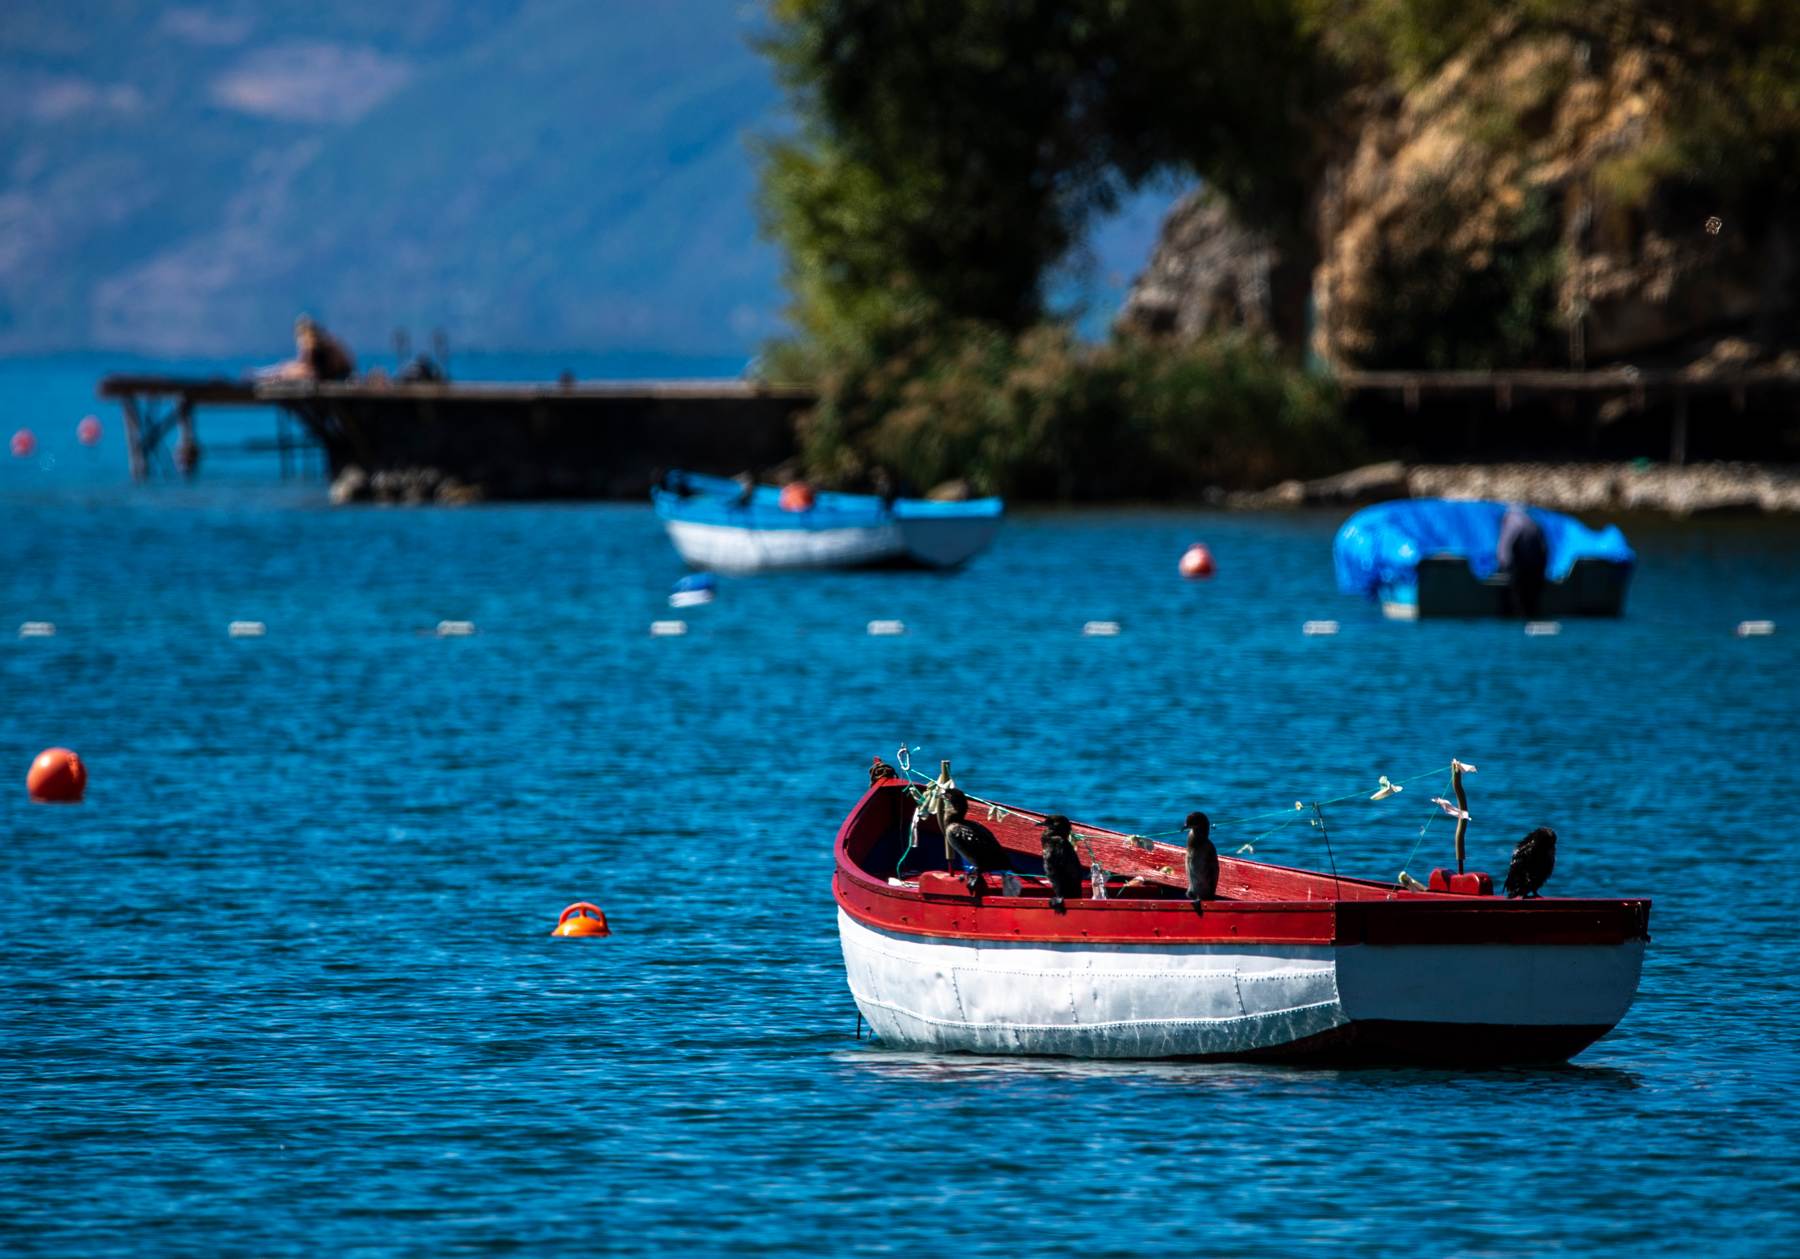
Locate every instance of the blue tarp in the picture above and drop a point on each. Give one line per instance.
(1382, 545)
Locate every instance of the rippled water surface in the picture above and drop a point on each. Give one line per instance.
(285, 984)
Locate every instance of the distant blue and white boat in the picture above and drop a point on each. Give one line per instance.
(1431, 557)
(716, 525)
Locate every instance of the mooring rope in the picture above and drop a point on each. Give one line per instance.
(1386, 788)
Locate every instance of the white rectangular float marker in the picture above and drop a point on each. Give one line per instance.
(455, 629)
(886, 628)
(246, 629)
(668, 629)
(1313, 629)
(37, 629)
(1100, 629)
(1755, 629)
(1542, 629)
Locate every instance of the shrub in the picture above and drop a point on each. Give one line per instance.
(1042, 417)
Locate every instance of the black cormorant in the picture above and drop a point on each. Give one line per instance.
(1061, 863)
(973, 842)
(1202, 860)
(880, 770)
(1532, 862)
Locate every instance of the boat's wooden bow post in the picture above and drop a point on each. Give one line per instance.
(936, 802)
(1462, 803)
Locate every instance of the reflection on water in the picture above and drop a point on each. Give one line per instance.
(959, 1069)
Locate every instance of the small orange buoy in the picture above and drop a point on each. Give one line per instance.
(57, 777)
(797, 496)
(1197, 561)
(582, 919)
(88, 431)
(23, 443)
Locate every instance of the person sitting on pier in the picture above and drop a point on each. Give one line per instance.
(1523, 555)
(317, 355)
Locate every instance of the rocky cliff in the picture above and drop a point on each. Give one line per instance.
(1525, 201)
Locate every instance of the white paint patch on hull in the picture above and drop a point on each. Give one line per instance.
(730, 549)
(1087, 1000)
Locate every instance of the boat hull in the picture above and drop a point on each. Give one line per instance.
(1447, 587)
(1465, 1004)
(714, 524)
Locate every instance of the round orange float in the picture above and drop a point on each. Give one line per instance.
(582, 919)
(797, 496)
(88, 431)
(57, 776)
(23, 443)
(1197, 561)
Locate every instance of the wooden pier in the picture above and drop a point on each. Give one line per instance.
(1750, 414)
(514, 441)
(608, 440)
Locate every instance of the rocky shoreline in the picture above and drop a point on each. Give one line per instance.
(1698, 489)
(402, 487)
(1688, 490)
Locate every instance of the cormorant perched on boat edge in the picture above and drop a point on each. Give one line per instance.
(972, 842)
(880, 771)
(1061, 863)
(1202, 860)
(1532, 862)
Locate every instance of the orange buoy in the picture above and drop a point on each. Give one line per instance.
(582, 919)
(88, 431)
(1197, 561)
(23, 443)
(57, 777)
(797, 496)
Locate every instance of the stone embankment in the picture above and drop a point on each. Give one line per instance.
(408, 486)
(1695, 489)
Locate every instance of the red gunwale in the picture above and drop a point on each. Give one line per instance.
(1267, 905)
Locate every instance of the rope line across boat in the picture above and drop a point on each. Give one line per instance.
(1389, 787)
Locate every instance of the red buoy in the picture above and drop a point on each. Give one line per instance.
(582, 919)
(797, 496)
(23, 443)
(88, 431)
(1197, 561)
(57, 777)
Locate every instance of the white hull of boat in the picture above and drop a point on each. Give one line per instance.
(1214, 1000)
(733, 549)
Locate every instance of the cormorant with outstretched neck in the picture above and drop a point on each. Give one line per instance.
(880, 771)
(1061, 862)
(1532, 862)
(1202, 860)
(973, 842)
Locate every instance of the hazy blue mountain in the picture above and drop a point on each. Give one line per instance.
(522, 173)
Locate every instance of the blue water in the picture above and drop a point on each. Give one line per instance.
(284, 984)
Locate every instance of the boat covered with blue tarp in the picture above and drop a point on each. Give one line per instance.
(1442, 557)
(732, 526)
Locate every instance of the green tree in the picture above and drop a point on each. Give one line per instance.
(949, 152)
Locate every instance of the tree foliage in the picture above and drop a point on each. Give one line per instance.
(1040, 416)
(949, 152)
(946, 155)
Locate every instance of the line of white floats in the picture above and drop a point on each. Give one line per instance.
(881, 629)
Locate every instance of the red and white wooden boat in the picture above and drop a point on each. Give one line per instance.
(1287, 965)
